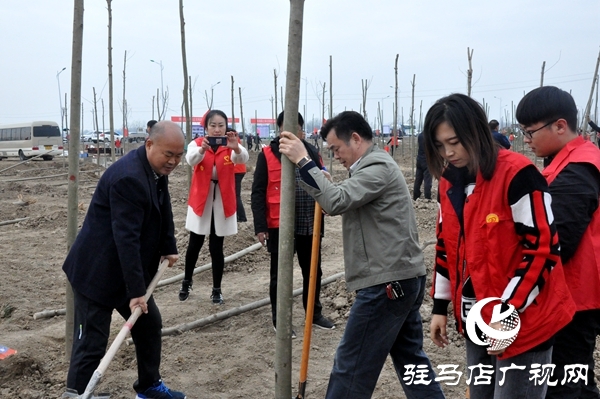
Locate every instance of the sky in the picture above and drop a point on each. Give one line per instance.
(248, 40)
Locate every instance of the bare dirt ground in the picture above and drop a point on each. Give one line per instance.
(233, 358)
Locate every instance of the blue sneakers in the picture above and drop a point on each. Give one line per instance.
(160, 391)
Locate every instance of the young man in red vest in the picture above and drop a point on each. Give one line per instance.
(548, 119)
(265, 201)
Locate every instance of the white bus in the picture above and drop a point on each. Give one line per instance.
(26, 140)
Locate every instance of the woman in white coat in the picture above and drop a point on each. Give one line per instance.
(212, 200)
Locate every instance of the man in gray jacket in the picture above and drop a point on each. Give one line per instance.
(382, 259)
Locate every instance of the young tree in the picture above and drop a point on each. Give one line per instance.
(110, 85)
(188, 119)
(73, 201)
(469, 71)
(283, 345)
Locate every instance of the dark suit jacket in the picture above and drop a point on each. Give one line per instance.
(128, 227)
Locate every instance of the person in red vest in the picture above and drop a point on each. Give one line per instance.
(548, 118)
(211, 203)
(394, 142)
(265, 202)
(239, 169)
(496, 240)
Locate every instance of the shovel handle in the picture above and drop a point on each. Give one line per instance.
(310, 302)
(114, 347)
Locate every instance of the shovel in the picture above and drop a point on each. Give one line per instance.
(310, 302)
(114, 347)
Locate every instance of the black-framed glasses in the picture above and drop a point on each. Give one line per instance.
(529, 133)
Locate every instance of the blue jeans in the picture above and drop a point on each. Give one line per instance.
(379, 326)
(516, 384)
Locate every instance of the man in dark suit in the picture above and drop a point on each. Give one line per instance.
(127, 231)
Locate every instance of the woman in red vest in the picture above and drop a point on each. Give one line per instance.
(496, 241)
(211, 203)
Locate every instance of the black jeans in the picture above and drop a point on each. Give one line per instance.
(215, 247)
(90, 339)
(421, 175)
(303, 247)
(573, 344)
(241, 212)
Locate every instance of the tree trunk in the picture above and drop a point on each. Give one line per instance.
(111, 120)
(542, 74)
(412, 124)
(188, 119)
(242, 117)
(395, 128)
(75, 134)
(232, 105)
(469, 71)
(96, 128)
(275, 85)
(588, 107)
(283, 344)
(330, 87)
(124, 100)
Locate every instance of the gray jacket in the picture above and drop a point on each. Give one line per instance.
(381, 242)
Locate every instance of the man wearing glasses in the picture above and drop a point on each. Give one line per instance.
(548, 119)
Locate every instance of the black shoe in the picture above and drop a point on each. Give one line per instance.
(323, 323)
(184, 292)
(217, 297)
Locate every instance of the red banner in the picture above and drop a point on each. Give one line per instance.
(197, 119)
(263, 121)
(178, 119)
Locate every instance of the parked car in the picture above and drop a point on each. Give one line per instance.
(137, 137)
(106, 136)
(88, 137)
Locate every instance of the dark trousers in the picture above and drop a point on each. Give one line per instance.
(421, 175)
(90, 339)
(215, 247)
(303, 248)
(241, 212)
(575, 344)
(379, 326)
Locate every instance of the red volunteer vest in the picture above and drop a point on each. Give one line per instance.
(582, 271)
(273, 188)
(491, 251)
(202, 176)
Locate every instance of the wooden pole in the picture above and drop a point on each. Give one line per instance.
(283, 338)
(310, 302)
